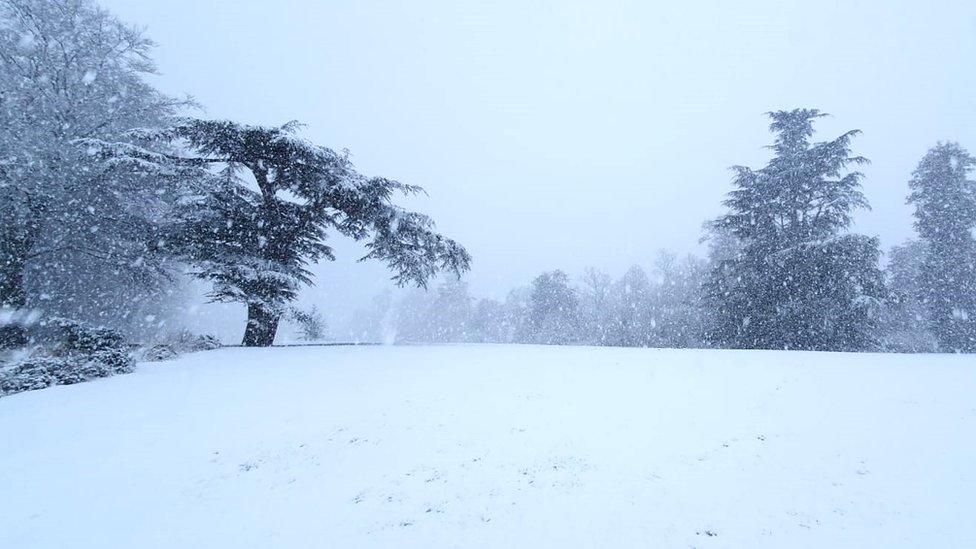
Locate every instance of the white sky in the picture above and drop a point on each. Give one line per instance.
(562, 134)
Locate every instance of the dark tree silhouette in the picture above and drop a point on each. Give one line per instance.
(945, 217)
(265, 214)
(797, 282)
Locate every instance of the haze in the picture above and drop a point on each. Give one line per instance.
(571, 134)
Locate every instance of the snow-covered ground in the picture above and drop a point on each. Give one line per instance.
(497, 446)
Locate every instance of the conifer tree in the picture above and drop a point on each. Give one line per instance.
(266, 215)
(945, 217)
(797, 281)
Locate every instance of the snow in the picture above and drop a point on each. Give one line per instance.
(497, 446)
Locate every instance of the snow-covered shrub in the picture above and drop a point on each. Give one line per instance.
(35, 372)
(207, 342)
(77, 337)
(40, 371)
(311, 325)
(75, 353)
(158, 353)
(177, 343)
(185, 341)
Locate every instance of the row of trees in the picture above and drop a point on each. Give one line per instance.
(108, 195)
(638, 310)
(783, 272)
(798, 279)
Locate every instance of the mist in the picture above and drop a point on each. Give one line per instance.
(571, 134)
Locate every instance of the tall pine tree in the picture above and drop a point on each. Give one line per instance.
(797, 281)
(945, 217)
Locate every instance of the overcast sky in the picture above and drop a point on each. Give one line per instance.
(564, 134)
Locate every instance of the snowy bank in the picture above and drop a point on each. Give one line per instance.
(497, 446)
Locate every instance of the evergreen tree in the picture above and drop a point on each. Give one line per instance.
(797, 282)
(945, 217)
(265, 218)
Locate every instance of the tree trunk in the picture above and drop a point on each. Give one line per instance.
(261, 327)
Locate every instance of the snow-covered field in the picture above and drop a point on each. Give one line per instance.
(497, 446)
